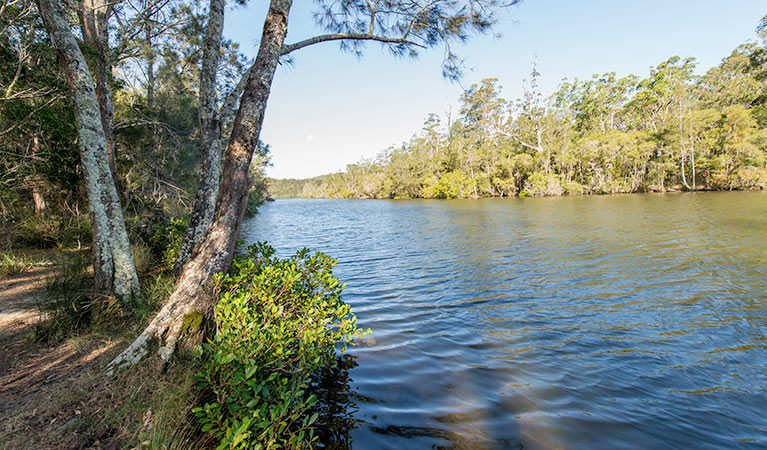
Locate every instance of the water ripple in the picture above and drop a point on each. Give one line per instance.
(584, 322)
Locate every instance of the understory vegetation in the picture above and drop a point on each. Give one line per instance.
(672, 130)
(43, 200)
(278, 323)
(280, 326)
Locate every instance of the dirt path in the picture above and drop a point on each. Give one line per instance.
(19, 296)
(40, 382)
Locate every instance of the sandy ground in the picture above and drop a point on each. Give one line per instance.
(19, 296)
(39, 381)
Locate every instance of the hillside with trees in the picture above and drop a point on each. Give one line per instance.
(669, 131)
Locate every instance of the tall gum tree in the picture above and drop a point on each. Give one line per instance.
(112, 262)
(403, 26)
(94, 26)
(212, 121)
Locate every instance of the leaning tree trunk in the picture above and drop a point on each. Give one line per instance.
(112, 262)
(193, 296)
(210, 137)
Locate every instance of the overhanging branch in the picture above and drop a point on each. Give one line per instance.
(346, 37)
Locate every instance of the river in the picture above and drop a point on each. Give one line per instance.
(569, 322)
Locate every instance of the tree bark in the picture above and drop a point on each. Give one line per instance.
(684, 176)
(37, 184)
(149, 55)
(210, 137)
(94, 23)
(112, 262)
(214, 252)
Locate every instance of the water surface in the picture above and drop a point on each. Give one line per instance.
(571, 322)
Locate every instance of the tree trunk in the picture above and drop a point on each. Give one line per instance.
(94, 23)
(210, 137)
(112, 262)
(213, 254)
(39, 200)
(692, 156)
(149, 56)
(37, 185)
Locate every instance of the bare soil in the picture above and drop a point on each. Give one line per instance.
(44, 386)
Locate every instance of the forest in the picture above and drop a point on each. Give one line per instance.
(672, 130)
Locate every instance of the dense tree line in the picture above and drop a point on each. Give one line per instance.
(672, 130)
(145, 60)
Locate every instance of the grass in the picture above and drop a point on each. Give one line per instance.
(13, 264)
(53, 232)
(61, 398)
(149, 409)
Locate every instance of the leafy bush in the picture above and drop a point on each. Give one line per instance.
(541, 185)
(278, 322)
(455, 184)
(166, 241)
(573, 188)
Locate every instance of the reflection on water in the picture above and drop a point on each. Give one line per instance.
(583, 322)
(336, 405)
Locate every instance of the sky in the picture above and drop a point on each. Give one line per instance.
(329, 108)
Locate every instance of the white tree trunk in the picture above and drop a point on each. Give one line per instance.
(210, 137)
(94, 26)
(214, 252)
(112, 262)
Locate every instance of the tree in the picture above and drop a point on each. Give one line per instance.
(403, 26)
(38, 151)
(112, 260)
(212, 120)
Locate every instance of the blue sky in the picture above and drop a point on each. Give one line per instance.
(329, 108)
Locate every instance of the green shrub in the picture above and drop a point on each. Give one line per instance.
(166, 241)
(541, 185)
(573, 188)
(455, 184)
(278, 322)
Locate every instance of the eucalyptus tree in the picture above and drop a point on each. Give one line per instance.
(534, 124)
(404, 27)
(481, 115)
(113, 264)
(212, 118)
(659, 107)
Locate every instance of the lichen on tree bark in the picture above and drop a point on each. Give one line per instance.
(112, 261)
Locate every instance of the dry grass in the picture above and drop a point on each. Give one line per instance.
(53, 392)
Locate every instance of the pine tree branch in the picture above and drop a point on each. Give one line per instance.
(345, 37)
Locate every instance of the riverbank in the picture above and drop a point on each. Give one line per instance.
(53, 394)
(325, 186)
